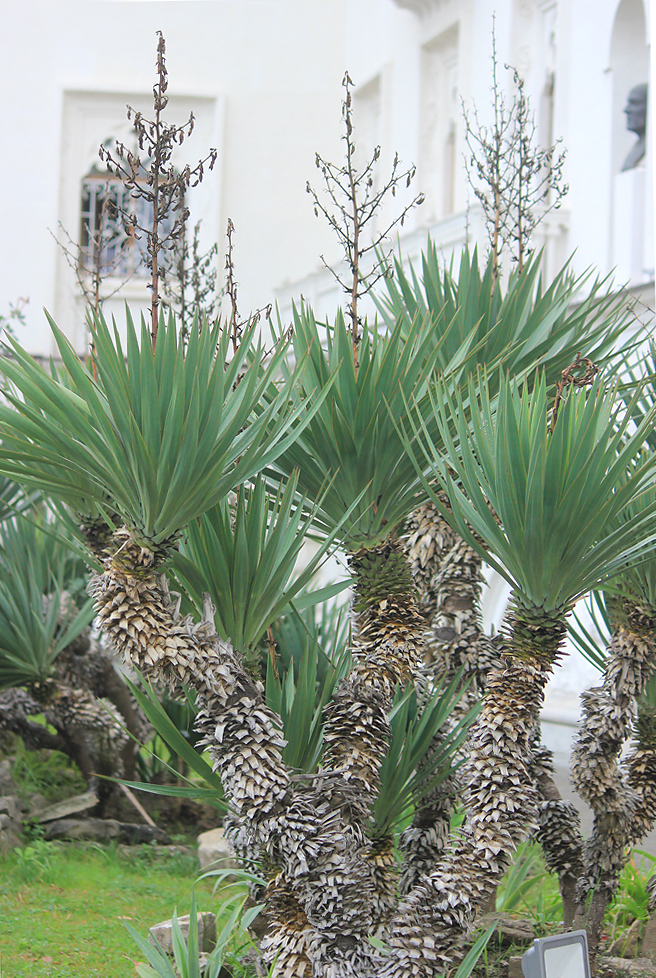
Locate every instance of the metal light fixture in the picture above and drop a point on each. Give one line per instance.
(560, 956)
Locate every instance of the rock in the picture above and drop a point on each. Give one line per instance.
(515, 967)
(70, 806)
(103, 830)
(9, 839)
(162, 934)
(12, 806)
(634, 966)
(160, 851)
(7, 783)
(510, 930)
(627, 944)
(38, 803)
(214, 852)
(648, 946)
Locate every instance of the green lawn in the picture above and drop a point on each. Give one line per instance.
(62, 908)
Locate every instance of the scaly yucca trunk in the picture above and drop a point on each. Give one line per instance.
(501, 804)
(448, 574)
(388, 652)
(448, 578)
(609, 711)
(424, 841)
(559, 832)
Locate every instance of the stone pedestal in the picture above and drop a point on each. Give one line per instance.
(629, 221)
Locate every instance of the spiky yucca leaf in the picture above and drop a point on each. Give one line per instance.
(526, 325)
(351, 449)
(14, 499)
(165, 435)
(40, 579)
(640, 372)
(210, 790)
(635, 582)
(591, 637)
(323, 629)
(410, 771)
(545, 502)
(244, 555)
(298, 697)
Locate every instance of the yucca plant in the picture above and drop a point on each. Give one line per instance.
(620, 793)
(45, 615)
(350, 453)
(538, 495)
(41, 583)
(523, 324)
(160, 436)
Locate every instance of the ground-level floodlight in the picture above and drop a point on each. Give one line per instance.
(560, 956)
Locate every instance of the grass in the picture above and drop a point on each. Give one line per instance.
(48, 772)
(62, 908)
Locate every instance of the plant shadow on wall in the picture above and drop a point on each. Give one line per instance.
(455, 428)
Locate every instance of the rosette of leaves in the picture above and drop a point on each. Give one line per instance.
(244, 553)
(351, 449)
(524, 324)
(620, 792)
(160, 435)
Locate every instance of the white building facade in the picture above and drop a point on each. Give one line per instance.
(263, 79)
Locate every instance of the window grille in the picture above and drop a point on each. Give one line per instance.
(110, 243)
